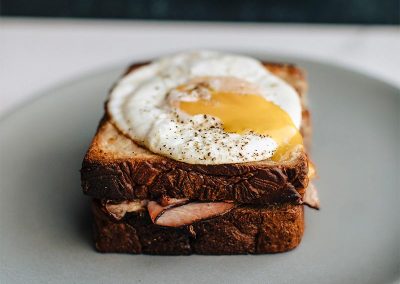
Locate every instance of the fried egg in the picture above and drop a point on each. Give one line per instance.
(207, 107)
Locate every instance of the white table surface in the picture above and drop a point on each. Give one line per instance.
(36, 55)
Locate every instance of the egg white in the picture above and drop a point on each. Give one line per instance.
(138, 106)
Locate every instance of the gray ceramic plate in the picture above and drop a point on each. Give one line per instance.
(45, 231)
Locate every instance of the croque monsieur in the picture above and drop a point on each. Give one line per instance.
(202, 152)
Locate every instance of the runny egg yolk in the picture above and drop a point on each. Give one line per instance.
(241, 113)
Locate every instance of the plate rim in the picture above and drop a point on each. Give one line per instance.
(43, 94)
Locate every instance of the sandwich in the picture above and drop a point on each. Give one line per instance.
(202, 153)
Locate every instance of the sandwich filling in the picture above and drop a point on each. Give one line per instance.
(208, 108)
(172, 212)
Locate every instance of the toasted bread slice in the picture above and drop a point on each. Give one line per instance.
(117, 168)
(243, 230)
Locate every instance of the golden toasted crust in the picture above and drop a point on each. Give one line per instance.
(117, 168)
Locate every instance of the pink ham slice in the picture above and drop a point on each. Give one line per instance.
(311, 198)
(119, 210)
(176, 216)
(169, 201)
(155, 210)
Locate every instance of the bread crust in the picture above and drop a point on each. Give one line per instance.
(116, 168)
(243, 230)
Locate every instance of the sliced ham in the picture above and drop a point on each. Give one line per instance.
(155, 210)
(311, 198)
(173, 212)
(175, 216)
(119, 210)
(169, 201)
